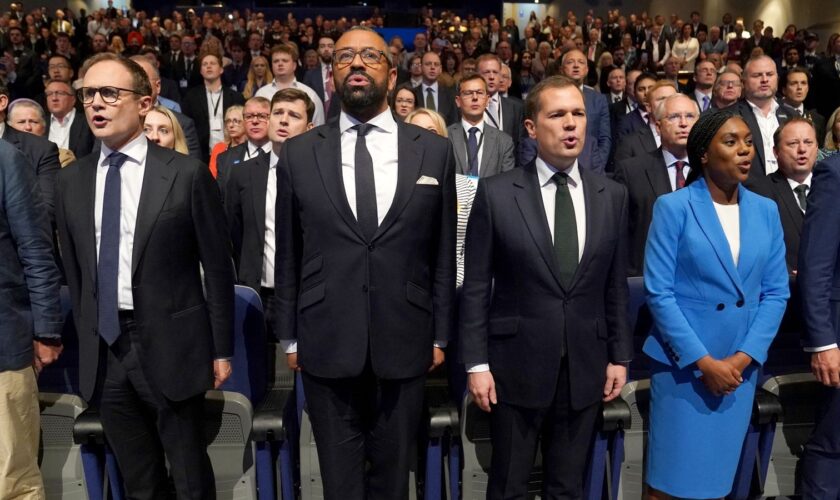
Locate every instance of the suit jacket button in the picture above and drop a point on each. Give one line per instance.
(720, 307)
(740, 303)
(371, 247)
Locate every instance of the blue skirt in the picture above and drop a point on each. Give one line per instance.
(695, 438)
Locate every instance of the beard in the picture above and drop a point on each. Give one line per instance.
(361, 98)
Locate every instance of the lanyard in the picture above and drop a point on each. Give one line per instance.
(216, 105)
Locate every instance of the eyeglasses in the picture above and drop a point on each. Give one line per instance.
(732, 83)
(262, 117)
(473, 93)
(234, 121)
(370, 57)
(59, 93)
(109, 95)
(678, 117)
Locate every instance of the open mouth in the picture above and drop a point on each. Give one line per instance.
(99, 121)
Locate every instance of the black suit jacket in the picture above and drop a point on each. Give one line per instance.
(43, 157)
(349, 301)
(515, 311)
(825, 83)
(778, 189)
(195, 106)
(445, 102)
(634, 144)
(513, 120)
(81, 138)
(783, 114)
(646, 179)
(179, 72)
(180, 224)
(245, 209)
(225, 164)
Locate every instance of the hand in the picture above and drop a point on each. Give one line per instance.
(437, 358)
(482, 387)
(616, 378)
(45, 354)
(221, 372)
(291, 360)
(740, 361)
(826, 367)
(720, 377)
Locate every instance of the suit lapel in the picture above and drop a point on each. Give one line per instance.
(748, 250)
(707, 219)
(157, 180)
(87, 183)
(752, 123)
(657, 175)
(648, 140)
(410, 158)
(489, 151)
(456, 135)
(327, 153)
(259, 183)
(529, 201)
(595, 218)
(788, 199)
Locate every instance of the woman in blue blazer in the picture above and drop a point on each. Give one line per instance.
(717, 287)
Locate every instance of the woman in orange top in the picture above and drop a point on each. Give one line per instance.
(234, 135)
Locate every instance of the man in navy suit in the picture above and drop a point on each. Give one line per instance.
(596, 147)
(30, 332)
(543, 322)
(819, 281)
(320, 78)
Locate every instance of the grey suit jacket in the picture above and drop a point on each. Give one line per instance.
(496, 151)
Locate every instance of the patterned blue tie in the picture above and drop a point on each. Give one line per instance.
(109, 252)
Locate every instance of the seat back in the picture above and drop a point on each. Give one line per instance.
(60, 458)
(637, 395)
(249, 361)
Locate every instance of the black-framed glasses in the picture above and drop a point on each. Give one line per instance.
(263, 117)
(109, 94)
(59, 93)
(370, 57)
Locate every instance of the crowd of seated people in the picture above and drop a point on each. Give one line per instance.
(228, 90)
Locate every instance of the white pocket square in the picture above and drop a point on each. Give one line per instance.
(427, 181)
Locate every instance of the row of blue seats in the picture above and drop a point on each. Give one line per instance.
(262, 444)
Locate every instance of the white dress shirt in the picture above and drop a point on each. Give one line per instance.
(270, 237)
(671, 162)
(793, 185)
(215, 112)
(60, 129)
(548, 190)
(494, 109)
(131, 183)
(768, 125)
(252, 150)
(478, 137)
(425, 89)
(270, 89)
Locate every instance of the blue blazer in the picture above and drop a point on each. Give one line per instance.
(819, 251)
(701, 301)
(596, 148)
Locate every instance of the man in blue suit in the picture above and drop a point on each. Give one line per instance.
(819, 282)
(596, 148)
(30, 330)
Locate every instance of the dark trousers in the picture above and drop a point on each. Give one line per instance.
(366, 430)
(565, 435)
(821, 460)
(143, 427)
(269, 302)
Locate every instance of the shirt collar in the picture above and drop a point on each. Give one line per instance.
(545, 172)
(253, 149)
(670, 159)
(383, 121)
(68, 118)
(433, 86)
(467, 126)
(794, 184)
(136, 150)
(774, 105)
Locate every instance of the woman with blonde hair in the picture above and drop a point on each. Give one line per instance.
(117, 46)
(162, 127)
(832, 136)
(429, 120)
(258, 75)
(234, 135)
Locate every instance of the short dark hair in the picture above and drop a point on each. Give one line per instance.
(644, 75)
(472, 77)
(139, 79)
(292, 95)
(796, 69)
(533, 103)
(777, 135)
(60, 56)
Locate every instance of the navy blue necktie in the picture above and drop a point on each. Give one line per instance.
(472, 151)
(366, 212)
(109, 252)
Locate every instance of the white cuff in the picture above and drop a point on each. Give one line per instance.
(821, 348)
(478, 367)
(440, 344)
(289, 346)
